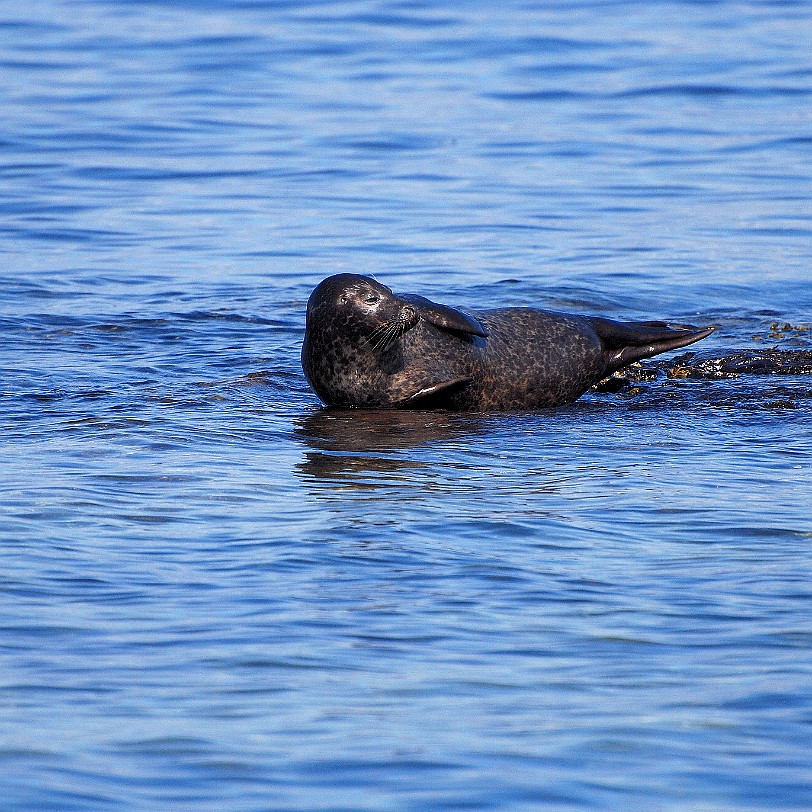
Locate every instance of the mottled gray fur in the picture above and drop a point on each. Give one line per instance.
(366, 347)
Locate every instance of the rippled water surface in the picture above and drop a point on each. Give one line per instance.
(216, 595)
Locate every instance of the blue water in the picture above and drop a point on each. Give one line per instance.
(217, 596)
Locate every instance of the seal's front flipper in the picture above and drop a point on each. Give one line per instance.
(435, 395)
(627, 342)
(446, 318)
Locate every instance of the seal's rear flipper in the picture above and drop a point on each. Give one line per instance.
(627, 342)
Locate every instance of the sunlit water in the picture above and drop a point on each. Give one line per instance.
(218, 596)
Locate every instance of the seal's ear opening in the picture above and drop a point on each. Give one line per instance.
(446, 318)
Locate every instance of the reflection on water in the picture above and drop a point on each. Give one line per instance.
(349, 444)
(361, 430)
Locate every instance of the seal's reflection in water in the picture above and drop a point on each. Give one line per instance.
(365, 448)
(444, 482)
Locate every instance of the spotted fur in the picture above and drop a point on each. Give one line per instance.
(366, 347)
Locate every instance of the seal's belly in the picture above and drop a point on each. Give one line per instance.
(531, 359)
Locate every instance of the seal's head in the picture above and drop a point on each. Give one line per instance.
(352, 328)
(360, 309)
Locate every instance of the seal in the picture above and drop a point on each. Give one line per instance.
(366, 347)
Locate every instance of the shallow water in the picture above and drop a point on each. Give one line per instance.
(217, 595)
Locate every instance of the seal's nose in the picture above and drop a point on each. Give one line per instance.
(408, 315)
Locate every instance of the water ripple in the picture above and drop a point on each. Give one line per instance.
(218, 595)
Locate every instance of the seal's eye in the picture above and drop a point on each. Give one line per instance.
(372, 298)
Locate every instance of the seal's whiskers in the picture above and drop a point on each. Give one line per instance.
(382, 338)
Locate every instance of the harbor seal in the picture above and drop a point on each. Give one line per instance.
(366, 347)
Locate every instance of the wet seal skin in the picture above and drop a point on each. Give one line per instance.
(366, 347)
